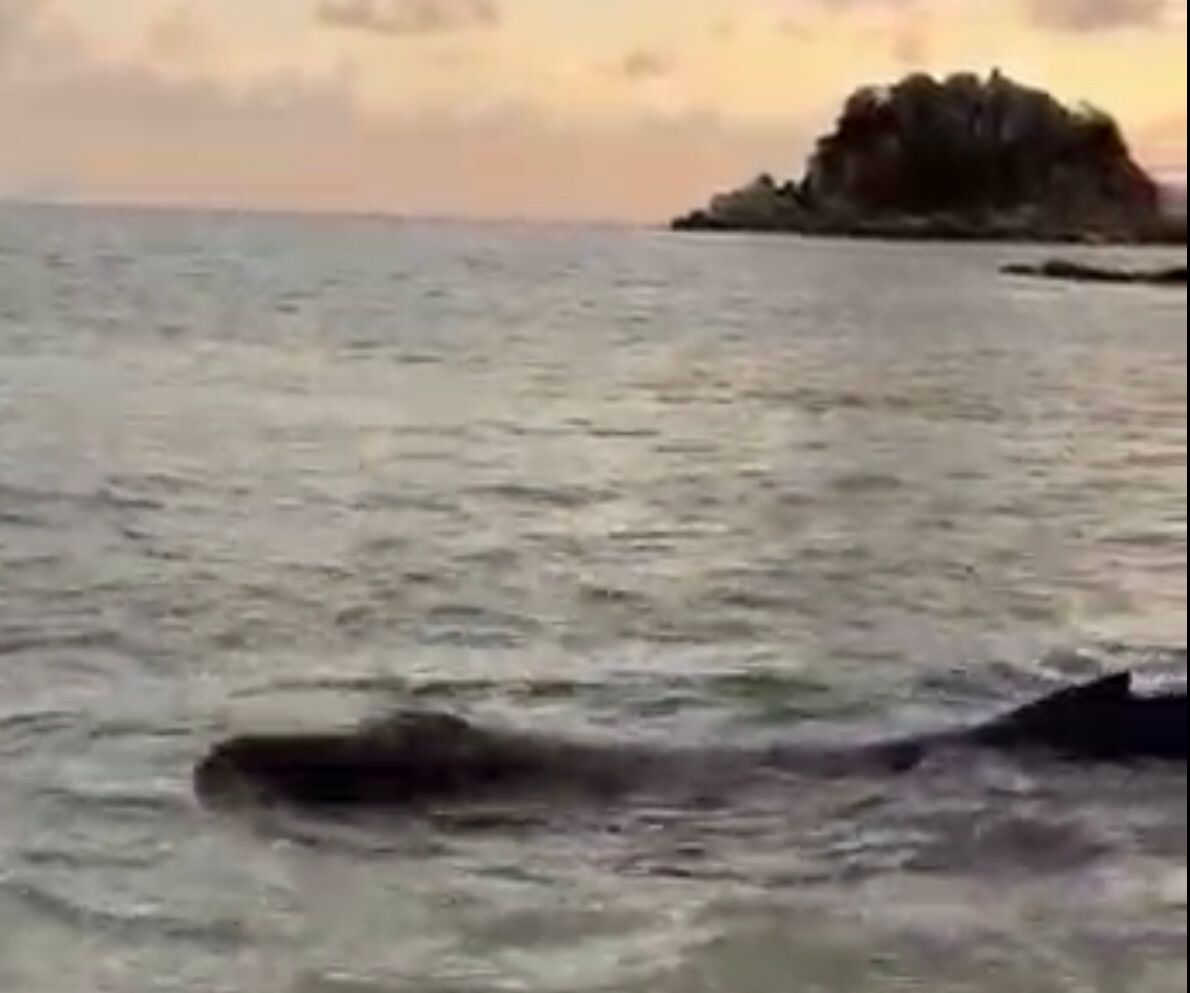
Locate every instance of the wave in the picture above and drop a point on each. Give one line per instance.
(225, 934)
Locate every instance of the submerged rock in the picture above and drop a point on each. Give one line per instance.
(1082, 273)
(962, 158)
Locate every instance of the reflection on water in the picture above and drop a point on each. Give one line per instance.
(285, 473)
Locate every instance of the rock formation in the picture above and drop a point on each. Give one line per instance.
(960, 158)
(1081, 272)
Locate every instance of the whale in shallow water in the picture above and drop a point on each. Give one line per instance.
(424, 759)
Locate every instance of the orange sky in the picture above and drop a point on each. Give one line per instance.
(592, 109)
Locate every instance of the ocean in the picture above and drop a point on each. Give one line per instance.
(271, 473)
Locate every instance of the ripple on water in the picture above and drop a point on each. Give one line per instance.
(87, 920)
(475, 627)
(20, 519)
(557, 497)
(621, 484)
(25, 640)
(24, 729)
(867, 483)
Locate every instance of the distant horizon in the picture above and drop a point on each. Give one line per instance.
(1177, 189)
(1173, 188)
(555, 111)
(314, 212)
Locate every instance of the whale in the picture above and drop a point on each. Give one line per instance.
(412, 761)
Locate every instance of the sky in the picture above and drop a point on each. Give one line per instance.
(611, 110)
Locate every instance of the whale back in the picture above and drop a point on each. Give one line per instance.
(413, 759)
(1102, 720)
(395, 761)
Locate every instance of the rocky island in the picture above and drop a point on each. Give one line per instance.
(962, 158)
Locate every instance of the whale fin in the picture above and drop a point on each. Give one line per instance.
(1110, 689)
(1073, 704)
(1100, 720)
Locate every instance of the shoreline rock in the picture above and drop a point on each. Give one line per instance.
(1078, 272)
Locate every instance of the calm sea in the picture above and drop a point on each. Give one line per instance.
(274, 473)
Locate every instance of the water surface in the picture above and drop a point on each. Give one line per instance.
(272, 472)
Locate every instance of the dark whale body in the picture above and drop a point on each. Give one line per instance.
(422, 759)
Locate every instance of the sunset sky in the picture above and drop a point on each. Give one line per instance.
(591, 109)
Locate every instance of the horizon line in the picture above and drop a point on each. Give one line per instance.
(392, 216)
(1163, 177)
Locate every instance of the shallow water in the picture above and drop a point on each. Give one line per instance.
(275, 473)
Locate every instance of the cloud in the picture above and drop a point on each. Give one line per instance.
(725, 28)
(1084, 16)
(1161, 143)
(103, 128)
(409, 17)
(98, 128)
(911, 45)
(16, 18)
(645, 64)
(905, 28)
(177, 36)
(861, 5)
(163, 127)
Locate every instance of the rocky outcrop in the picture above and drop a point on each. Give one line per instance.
(961, 158)
(1079, 272)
